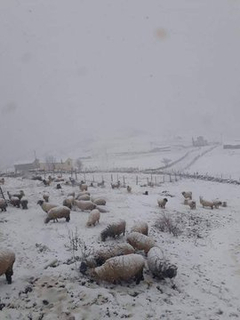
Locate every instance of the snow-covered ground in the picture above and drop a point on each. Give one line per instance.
(206, 252)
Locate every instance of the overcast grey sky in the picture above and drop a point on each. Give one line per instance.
(76, 68)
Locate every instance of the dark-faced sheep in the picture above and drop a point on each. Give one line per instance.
(162, 202)
(24, 203)
(7, 259)
(114, 230)
(122, 268)
(187, 194)
(100, 256)
(57, 213)
(159, 266)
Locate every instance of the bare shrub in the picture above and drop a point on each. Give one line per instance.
(167, 224)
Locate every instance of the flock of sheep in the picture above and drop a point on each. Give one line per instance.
(123, 261)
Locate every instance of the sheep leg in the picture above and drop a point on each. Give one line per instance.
(139, 276)
(8, 275)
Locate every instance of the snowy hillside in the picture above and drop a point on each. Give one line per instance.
(47, 283)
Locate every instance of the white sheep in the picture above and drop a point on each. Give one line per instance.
(206, 203)
(84, 197)
(100, 256)
(46, 206)
(68, 202)
(159, 266)
(141, 227)
(162, 202)
(187, 194)
(93, 217)
(140, 242)
(113, 230)
(191, 203)
(84, 205)
(99, 201)
(57, 213)
(7, 259)
(122, 268)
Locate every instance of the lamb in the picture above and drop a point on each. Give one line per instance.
(93, 217)
(187, 194)
(85, 205)
(162, 202)
(141, 227)
(24, 203)
(46, 206)
(122, 268)
(3, 205)
(159, 266)
(113, 230)
(7, 259)
(57, 213)
(99, 257)
(68, 202)
(140, 242)
(99, 201)
(206, 203)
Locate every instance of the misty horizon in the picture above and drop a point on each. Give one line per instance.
(81, 71)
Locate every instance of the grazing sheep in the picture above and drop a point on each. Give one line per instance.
(129, 189)
(46, 197)
(84, 197)
(24, 203)
(85, 205)
(159, 266)
(141, 227)
(46, 182)
(100, 184)
(217, 203)
(68, 202)
(113, 230)
(46, 206)
(3, 205)
(192, 204)
(206, 203)
(7, 259)
(187, 194)
(162, 202)
(93, 217)
(2, 181)
(57, 213)
(83, 187)
(116, 185)
(122, 268)
(15, 201)
(99, 201)
(140, 242)
(99, 257)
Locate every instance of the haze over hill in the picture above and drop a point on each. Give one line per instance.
(80, 71)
